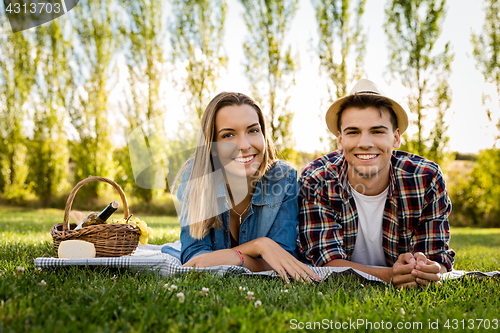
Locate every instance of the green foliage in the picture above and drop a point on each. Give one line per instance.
(270, 66)
(413, 28)
(111, 300)
(15, 171)
(48, 149)
(465, 156)
(124, 173)
(88, 109)
(180, 148)
(197, 37)
(18, 64)
(338, 30)
(487, 48)
(304, 158)
(476, 194)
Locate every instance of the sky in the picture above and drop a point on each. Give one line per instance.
(469, 128)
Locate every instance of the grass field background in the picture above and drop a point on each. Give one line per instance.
(110, 300)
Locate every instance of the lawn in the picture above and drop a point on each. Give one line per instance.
(104, 300)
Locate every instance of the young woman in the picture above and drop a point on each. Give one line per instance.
(239, 203)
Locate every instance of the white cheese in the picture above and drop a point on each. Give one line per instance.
(76, 249)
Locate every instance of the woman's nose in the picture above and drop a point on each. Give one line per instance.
(244, 143)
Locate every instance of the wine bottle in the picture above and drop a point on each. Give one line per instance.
(101, 218)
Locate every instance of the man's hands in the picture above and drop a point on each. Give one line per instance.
(413, 270)
(427, 271)
(401, 271)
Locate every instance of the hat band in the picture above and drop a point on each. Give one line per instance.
(368, 92)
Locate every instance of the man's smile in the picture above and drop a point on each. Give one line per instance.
(366, 156)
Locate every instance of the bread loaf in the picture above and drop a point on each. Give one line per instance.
(76, 249)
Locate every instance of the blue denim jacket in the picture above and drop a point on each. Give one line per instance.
(273, 213)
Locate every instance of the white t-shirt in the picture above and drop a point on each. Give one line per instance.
(368, 248)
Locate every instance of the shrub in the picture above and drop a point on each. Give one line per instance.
(475, 193)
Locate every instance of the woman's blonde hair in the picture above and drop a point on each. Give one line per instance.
(200, 199)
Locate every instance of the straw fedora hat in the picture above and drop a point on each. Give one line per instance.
(365, 87)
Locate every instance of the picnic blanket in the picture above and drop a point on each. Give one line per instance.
(149, 258)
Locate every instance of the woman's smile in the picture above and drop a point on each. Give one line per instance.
(246, 160)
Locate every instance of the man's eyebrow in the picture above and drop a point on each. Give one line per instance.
(371, 128)
(379, 127)
(230, 129)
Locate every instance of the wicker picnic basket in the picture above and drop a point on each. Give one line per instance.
(110, 240)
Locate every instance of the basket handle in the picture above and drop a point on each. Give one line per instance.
(69, 203)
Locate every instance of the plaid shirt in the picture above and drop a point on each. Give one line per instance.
(415, 216)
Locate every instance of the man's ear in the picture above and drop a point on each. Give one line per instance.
(339, 141)
(397, 139)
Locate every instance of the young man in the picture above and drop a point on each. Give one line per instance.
(366, 206)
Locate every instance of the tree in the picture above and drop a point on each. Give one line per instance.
(144, 36)
(49, 149)
(197, 37)
(340, 37)
(270, 65)
(337, 29)
(487, 48)
(93, 50)
(18, 64)
(413, 28)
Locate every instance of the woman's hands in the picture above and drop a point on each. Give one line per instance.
(283, 262)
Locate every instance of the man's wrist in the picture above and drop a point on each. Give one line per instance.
(389, 274)
(383, 273)
(443, 269)
(386, 274)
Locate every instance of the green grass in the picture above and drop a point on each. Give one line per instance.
(91, 300)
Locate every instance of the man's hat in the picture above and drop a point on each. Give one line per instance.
(365, 87)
